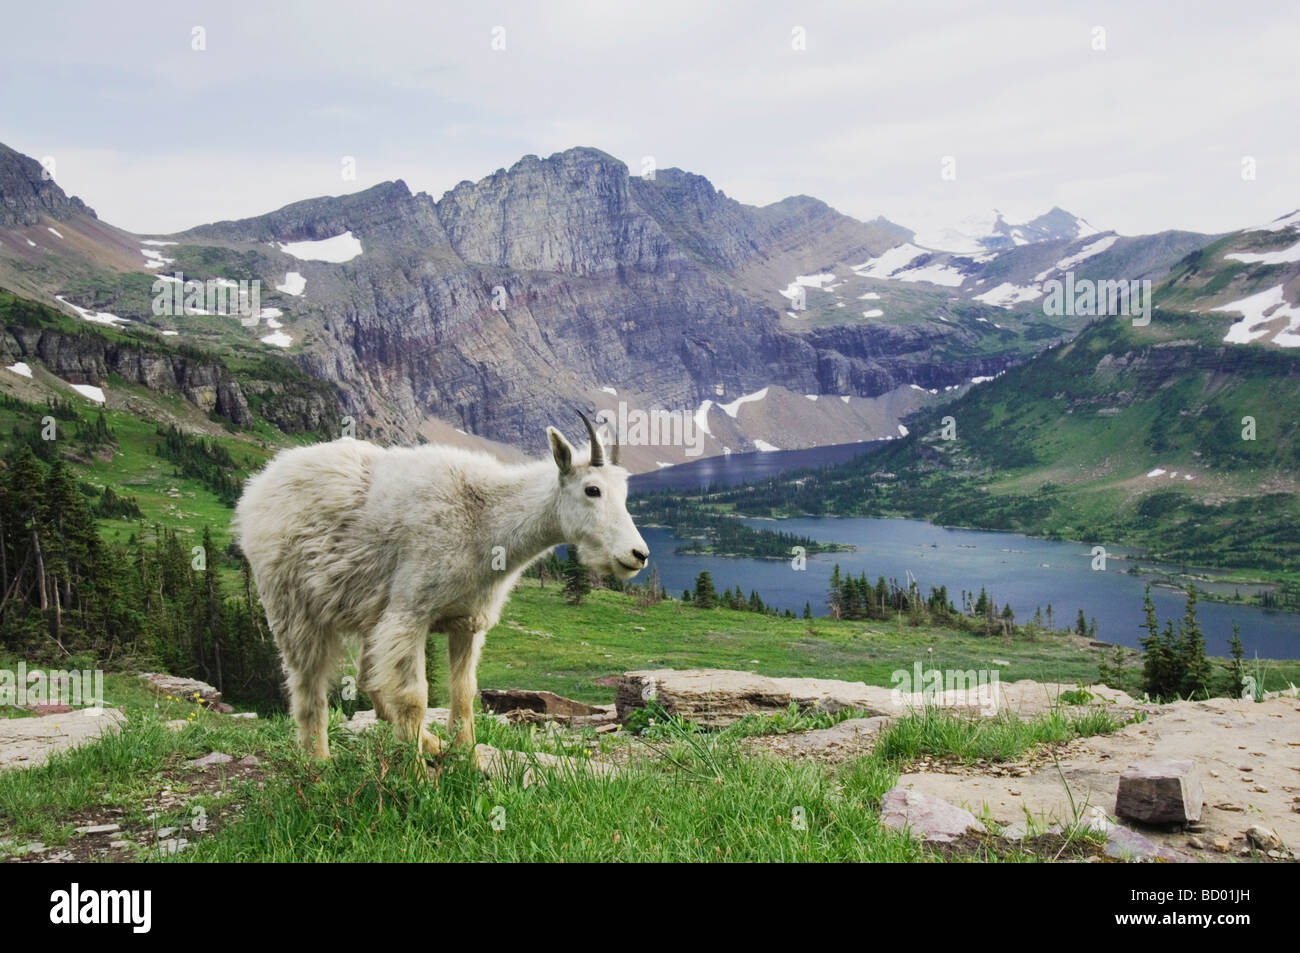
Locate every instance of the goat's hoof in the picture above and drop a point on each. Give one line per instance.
(431, 744)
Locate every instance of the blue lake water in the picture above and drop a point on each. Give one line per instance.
(1025, 572)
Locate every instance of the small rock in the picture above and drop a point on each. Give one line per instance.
(1160, 792)
(250, 761)
(1196, 843)
(215, 757)
(120, 844)
(1124, 844)
(99, 829)
(1222, 845)
(244, 714)
(176, 724)
(173, 845)
(1263, 838)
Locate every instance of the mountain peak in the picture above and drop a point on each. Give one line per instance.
(991, 231)
(27, 192)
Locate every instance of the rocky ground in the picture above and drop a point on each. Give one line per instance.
(1214, 780)
(1244, 755)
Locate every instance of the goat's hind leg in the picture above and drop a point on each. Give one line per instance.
(310, 663)
(392, 674)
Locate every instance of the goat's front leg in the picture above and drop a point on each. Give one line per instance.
(464, 643)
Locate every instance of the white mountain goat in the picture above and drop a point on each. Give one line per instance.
(350, 539)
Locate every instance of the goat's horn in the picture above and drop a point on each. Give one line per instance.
(597, 454)
(615, 447)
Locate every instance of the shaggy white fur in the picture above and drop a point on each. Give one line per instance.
(350, 539)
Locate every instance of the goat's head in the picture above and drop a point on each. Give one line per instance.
(593, 507)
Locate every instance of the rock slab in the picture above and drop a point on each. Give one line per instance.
(186, 689)
(715, 698)
(27, 742)
(928, 817)
(528, 705)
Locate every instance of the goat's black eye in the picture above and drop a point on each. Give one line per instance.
(593, 491)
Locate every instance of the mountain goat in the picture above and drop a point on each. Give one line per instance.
(350, 539)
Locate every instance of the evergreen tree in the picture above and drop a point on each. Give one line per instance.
(1157, 660)
(706, 597)
(1197, 672)
(1237, 666)
(577, 578)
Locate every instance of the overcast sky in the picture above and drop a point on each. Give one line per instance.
(1148, 133)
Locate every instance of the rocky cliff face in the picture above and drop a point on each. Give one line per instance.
(26, 193)
(90, 358)
(534, 288)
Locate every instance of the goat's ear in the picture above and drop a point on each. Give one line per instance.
(561, 450)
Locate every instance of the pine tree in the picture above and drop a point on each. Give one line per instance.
(577, 578)
(706, 597)
(1156, 661)
(835, 594)
(807, 610)
(1236, 667)
(1196, 670)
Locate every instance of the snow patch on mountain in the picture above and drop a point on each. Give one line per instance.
(294, 284)
(334, 250)
(791, 290)
(1279, 224)
(733, 409)
(95, 317)
(1259, 309)
(1008, 294)
(1087, 251)
(1284, 256)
